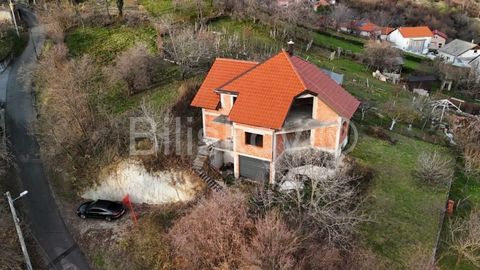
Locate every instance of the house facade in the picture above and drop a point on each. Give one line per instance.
(365, 28)
(254, 112)
(459, 52)
(439, 40)
(412, 39)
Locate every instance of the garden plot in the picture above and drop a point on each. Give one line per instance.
(130, 177)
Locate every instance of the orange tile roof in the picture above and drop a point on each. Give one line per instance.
(266, 91)
(387, 30)
(368, 27)
(415, 32)
(222, 71)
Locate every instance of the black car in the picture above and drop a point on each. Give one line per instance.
(103, 209)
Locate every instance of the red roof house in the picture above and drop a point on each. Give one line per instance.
(252, 111)
(414, 39)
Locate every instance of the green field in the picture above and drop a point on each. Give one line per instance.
(104, 43)
(405, 212)
(329, 41)
(157, 7)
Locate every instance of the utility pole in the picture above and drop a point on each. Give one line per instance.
(17, 226)
(13, 17)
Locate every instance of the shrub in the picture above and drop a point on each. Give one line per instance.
(213, 234)
(274, 245)
(135, 67)
(434, 169)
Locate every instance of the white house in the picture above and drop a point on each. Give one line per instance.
(438, 41)
(459, 52)
(413, 39)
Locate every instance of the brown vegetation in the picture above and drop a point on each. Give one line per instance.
(434, 169)
(467, 135)
(136, 68)
(381, 56)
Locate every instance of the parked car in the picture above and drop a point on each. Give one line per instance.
(103, 209)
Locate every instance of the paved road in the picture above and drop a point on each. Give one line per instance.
(41, 210)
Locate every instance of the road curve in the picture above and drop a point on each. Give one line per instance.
(42, 213)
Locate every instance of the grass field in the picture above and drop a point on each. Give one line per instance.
(157, 7)
(326, 40)
(104, 43)
(11, 43)
(405, 212)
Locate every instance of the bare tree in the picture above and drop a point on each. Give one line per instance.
(381, 56)
(319, 195)
(341, 13)
(157, 124)
(435, 169)
(464, 238)
(404, 112)
(135, 67)
(191, 50)
(467, 134)
(365, 106)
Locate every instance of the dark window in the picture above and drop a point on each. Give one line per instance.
(254, 139)
(234, 99)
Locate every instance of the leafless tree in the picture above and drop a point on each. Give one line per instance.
(464, 238)
(158, 123)
(467, 134)
(191, 50)
(365, 107)
(404, 112)
(135, 67)
(68, 85)
(433, 168)
(320, 195)
(341, 13)
(381, 56)
(57, 19)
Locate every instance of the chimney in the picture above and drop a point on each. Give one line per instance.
(290, 47)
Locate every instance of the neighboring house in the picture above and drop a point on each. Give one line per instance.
(439, 40)
(366, 28)
(459, 52)
(413, 39)
(253, 112)
(384, 31)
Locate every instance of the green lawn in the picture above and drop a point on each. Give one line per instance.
(329, 41)
(245, 28)
(157, 7)
(405, 212)
(10, 42)
(104, 43)
(356, 77)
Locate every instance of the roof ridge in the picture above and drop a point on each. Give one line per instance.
(294, 68)
(235, 60)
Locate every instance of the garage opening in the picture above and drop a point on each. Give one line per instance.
(254, 169)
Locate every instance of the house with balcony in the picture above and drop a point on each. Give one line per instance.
(253, 112)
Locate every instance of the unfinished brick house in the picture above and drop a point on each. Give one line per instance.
(253, 112)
